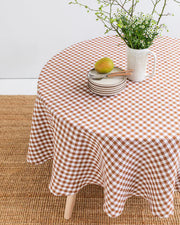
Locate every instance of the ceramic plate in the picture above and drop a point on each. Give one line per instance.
(106, 93)
(108, 81)
(112, 88)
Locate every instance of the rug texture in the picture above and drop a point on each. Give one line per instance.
(24, 194)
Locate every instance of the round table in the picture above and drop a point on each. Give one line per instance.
(128, 144)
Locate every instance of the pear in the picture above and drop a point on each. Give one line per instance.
(104, 65)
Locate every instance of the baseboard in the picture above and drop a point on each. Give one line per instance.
(18, 86)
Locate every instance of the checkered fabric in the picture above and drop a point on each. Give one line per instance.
(128, 143)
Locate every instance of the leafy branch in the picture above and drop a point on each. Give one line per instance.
(137, 30)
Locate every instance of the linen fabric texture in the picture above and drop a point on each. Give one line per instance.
(128, 144)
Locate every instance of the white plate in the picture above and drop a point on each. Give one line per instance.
(112, 88)
(108, 81)
(108, 91)
(105, 93)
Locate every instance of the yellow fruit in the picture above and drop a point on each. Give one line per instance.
(104, 65)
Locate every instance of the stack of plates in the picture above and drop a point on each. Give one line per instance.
(107, 86)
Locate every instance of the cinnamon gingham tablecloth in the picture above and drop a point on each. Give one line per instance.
(128, 143)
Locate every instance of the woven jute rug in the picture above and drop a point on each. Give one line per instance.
(24, 194)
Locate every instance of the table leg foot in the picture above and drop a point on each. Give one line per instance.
(70, 202)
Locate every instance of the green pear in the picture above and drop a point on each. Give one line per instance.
(104, 65)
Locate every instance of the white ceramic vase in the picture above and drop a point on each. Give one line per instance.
(137, 60)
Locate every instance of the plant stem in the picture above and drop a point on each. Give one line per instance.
(155, 4)
(132, 8)
(83, 5)
(162, 11)
(110, 14)
(122, 6)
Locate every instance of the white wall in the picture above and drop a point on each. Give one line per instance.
(32, 31)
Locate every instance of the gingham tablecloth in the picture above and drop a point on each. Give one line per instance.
(128, 143)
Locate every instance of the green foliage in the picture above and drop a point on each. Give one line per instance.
(138, 30)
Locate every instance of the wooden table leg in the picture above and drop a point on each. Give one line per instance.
(70, 202)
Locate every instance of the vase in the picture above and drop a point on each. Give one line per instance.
(137, 61)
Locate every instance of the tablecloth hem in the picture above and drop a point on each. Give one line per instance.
(104, 208)
(74, 192)
(136, 195)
